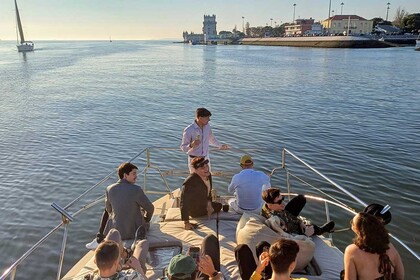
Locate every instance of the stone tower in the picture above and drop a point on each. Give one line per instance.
(209, 27)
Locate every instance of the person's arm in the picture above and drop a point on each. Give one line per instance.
(266, 184)
(397, 262)
(262, 264)
(147, 206)
(232, 185)
(135, 264)
(185, 206)
(350, 272)
(108, 206)
(186, 140)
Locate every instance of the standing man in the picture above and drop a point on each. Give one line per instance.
(127, 208)
(197, 137)
(248, 186)
(196, 199)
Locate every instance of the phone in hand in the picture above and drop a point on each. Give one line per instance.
(195, 253)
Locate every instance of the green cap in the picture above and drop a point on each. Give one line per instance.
(181, 266)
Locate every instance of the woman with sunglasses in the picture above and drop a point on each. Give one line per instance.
(371, 256)
(288, 214)
(196, 198)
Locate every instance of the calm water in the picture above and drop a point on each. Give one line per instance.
(72, 111)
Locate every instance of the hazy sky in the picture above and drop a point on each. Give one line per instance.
(158, 19)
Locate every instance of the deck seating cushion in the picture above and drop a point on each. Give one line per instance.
(251, 230)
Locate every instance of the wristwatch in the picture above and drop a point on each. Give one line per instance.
(215, 274)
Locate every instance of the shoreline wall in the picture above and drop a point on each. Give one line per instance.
(317, 42)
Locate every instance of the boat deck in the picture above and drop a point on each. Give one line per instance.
(168, 234)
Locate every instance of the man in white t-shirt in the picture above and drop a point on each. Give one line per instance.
(248, 186)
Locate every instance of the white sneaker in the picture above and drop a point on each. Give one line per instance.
(92, 245)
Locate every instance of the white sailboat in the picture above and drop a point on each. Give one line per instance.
(24, 46)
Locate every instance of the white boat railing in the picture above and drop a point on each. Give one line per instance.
(67, 217)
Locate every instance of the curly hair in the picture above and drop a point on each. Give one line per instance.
(373, 238)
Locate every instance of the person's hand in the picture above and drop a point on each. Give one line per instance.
(188, 226)
(264, 261)
(309, 230)
(206, 266)
(195, 143)
(134, 264)
(225, 147)
(210, 209)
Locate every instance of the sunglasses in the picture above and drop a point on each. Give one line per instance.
(202, 164)
(280, 201)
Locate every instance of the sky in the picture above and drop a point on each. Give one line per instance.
(167, 19)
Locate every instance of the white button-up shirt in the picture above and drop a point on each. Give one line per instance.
(205, 135)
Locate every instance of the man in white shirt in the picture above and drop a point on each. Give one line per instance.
(248, 186)
(197, 137)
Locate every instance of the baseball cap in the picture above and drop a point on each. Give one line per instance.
(181, 266)
(246, 160)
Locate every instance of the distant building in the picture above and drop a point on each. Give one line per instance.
(300, 27)
(386, 29)
(192, 38)
(209, 28)
(209, 32)
(351, 24)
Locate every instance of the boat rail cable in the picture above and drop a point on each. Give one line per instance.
(286, 151)
(318, 189)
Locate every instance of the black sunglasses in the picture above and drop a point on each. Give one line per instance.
(204, 163)
(280, 201)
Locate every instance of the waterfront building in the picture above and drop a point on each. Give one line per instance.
(347, 24)
(386, 29)
(209, 32)
(303, 27)
(209, 28)
(299, 27)
(192, 37)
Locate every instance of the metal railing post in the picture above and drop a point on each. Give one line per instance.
(63, 249)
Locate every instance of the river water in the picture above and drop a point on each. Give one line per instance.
(70, 112)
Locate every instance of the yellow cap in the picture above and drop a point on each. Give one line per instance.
(246, 160)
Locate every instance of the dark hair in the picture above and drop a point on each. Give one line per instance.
(193, 276)
(270, 194)
(125, 168)
(375, 210)
(282, 253)
(373, 238)
(202, 112)
(197, 161)
(106, 254)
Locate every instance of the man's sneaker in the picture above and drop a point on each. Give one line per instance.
(92, 245)
(139, 235)
(328, 227)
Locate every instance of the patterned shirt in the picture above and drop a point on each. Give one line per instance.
(288, 222)
(122, 275)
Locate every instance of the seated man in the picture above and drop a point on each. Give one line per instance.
(196, 200)
(208, 265)
(248, 186)
(125, 206)
(288, 215)
(107, 259)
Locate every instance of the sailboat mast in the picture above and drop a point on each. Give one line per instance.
(22, 38)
